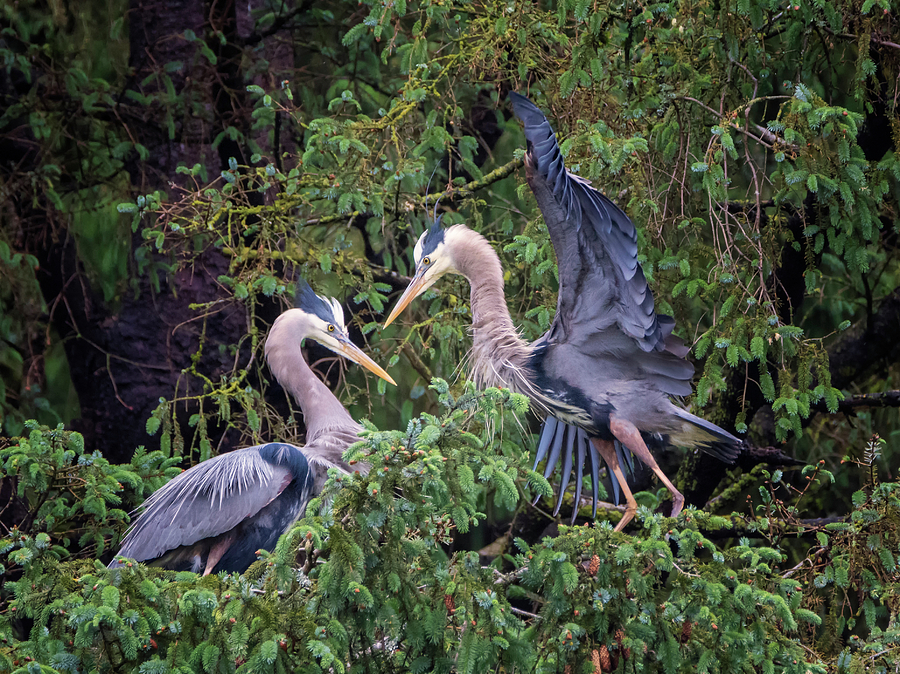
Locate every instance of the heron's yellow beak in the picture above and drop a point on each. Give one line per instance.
(349, 350)
(416, 287)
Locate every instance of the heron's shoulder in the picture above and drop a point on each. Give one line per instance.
(279, 453)
(327, 446)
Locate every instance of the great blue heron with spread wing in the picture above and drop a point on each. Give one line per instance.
(216, 515)
(608, 363)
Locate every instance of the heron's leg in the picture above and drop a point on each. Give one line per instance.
(215, 553)
(607, 450)
(630, 436)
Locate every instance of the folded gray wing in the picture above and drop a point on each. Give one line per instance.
(208, 500)
(601, 282)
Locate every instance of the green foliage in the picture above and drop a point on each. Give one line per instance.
(68, 496)
(20, 307)
(730, 134)
(369, 583)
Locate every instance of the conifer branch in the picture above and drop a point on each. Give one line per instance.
(851, 403)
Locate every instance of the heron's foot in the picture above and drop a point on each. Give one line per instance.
(627, 516)
(677, 503)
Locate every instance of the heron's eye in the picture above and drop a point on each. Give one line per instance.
(330, 328)
(426, 261)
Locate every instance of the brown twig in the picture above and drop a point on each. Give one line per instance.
(417, 363)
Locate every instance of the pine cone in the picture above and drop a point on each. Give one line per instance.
(686, 630)
(594, 566)
(448, 602)
(605, 661)
(595, 658)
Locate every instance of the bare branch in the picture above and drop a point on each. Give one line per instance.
(765, 137)
(416, 362)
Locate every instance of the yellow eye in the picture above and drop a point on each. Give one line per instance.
(426, 260)
(330, 328)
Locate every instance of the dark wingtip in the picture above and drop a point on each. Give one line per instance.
(727, 452)
(524, 109)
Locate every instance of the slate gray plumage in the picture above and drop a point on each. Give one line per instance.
(217, 514)
(609, 363)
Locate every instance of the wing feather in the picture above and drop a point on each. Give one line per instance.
(601, 282)
(208, 500)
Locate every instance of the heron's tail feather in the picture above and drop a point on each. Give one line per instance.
(559, 443)
(699, 433)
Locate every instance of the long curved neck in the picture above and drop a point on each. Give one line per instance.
(499, 354)
(322, 411)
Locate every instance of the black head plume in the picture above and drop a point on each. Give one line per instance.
(307, 300)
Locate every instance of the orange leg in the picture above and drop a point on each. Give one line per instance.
(630, 436)
(215, 554)
(608, 452)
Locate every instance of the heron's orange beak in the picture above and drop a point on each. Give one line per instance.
(416, 287)
(349, 350)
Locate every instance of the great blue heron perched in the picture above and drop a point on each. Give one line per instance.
(216, 515)
(608, 363)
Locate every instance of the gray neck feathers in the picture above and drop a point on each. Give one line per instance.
(322, 411)
(499, 356)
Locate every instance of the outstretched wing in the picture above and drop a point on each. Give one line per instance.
(212, 498)
(601, 282)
